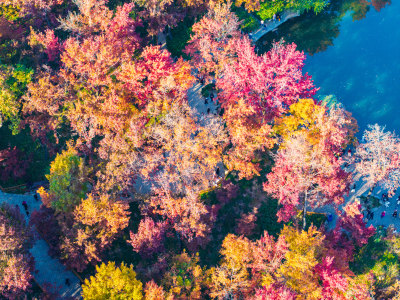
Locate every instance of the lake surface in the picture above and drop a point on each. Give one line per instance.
(353, 52)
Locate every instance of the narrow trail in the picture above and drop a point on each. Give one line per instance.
(272, 24)
(51, 274)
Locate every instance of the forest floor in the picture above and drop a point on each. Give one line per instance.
(51, 274)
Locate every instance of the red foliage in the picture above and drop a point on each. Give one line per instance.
(13, 164)
(149, 238)
(275, 292)
(334, 284)
(269, 83)
(351, 221)
(50, 43)
(15, 260)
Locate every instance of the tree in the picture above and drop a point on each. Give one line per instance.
(94, 16)
(190, 151)
(13, 164)
(158, 14)
(307, 170)
(249, 136)
(210, 46)
(249, 5)
(187, 216)
(152, 291)
(97, 222)
(184, 279)
(253, 91)
(67, 181)
(16, 263)
(297, 271)
(47, 40)
(351, 221)
(95, 56)
(149, 238)
(269, 83)
(231, 278)
(13, 83)
(377, 158)
(111, 282)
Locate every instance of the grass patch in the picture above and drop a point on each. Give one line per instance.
(317, 219)
(206, 91)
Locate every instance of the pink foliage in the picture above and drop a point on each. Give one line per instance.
(275, 292)
(50, 43)
(268, 254)
(15, 260)
(296, 176)
(149, 75)
(211, 44)
(149, 238)
(310, 170)
(95, 56)
(269, 83)
(351, 221)
(17, 276)
(188, 216)
(334, 284)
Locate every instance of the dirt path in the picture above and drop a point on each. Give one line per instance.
(270, 25)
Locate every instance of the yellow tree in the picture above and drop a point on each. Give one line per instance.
(303, 116)
(297, 271)
(231, 278)
(250, 5)
(112, 282)
(97, 222)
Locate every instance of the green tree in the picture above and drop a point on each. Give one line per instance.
(111, 282)
(185, 278)
(13, 82)
(67, 181)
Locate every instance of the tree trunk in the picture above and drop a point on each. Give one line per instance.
(305, 211)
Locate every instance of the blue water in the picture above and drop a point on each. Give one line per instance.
(356, 60)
